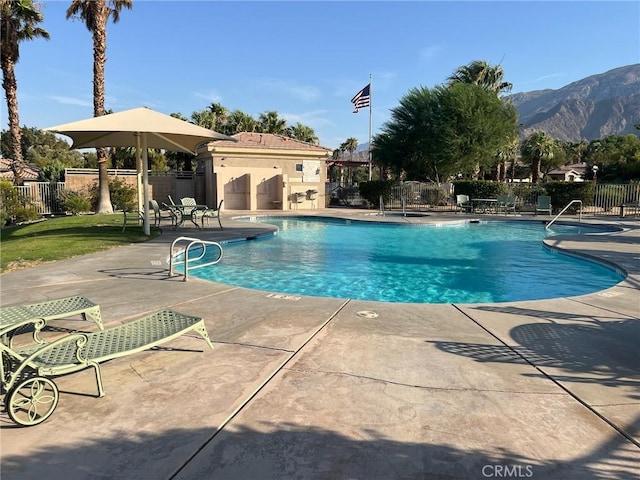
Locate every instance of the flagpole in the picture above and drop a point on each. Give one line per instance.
(370, 117)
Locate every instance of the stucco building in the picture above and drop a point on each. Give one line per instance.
(262, 171)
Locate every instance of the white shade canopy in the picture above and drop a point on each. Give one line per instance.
(120, 130)
(141, 128)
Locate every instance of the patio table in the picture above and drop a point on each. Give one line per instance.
(485, 204)
(186, 212)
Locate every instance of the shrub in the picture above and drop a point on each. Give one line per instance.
(14, 207)
(75, 202)
(434, 196)
(479, 188)
(123, 196)
(562, 193)
(371, 191)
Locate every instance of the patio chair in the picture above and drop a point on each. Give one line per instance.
(543, 204)
(189, 208)
(463, 203)
(31, 397)
(14, 317)
(506, 203)
(162, 213)
(188, 202)
(209, 213)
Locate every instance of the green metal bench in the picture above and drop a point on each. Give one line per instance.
(31, 397)
(13, 317)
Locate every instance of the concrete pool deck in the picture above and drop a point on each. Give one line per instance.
(322, 388)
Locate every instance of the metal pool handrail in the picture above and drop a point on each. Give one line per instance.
(187, 260)
(564, 209)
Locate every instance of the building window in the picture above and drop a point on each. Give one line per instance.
(298, 167)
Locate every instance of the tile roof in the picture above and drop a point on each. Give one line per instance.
(29, 172)
(269, 141)
(579, 168)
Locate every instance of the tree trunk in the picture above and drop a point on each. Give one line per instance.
(11, 92)
(535, 170)
(99, 61)
(501, 171)
(476, 172)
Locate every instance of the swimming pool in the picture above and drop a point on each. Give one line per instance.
(463, 262)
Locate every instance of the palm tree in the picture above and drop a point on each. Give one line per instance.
(219, 115)
(508, 152)
(535, 148)
(337, 157)
(18, 22)
(303, 133)
(96, 14)
(479, 72)
(238, 121)
(350, 145)
(203, 118)
(270, 122)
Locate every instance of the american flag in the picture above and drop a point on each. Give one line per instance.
(362, 99)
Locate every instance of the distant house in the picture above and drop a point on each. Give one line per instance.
(568, 173)
(30, 173)
(262, 171)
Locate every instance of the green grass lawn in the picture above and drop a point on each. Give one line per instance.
(57, 238)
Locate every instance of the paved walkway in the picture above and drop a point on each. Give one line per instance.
(316, 388)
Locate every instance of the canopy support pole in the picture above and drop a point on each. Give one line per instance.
(145, 181)
(139, 173)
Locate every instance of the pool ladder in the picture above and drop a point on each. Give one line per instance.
(564, 210)
(193, 242)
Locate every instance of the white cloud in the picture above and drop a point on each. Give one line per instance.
(211, 97)
(72, 101)
(428, 53)
(540, 79)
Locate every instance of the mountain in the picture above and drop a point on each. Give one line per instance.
(591, 108)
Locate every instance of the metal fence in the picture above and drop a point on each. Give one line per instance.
(421, 196)
(44, 196)
(607, 198)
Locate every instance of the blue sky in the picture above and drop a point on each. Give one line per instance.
(306, 60)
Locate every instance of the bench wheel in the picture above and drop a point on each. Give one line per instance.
(32, 401)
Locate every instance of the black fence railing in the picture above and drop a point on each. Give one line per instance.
(607, 199)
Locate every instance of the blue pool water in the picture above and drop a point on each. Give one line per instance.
(460, 263)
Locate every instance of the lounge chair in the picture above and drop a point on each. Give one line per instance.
(463, 203)
(162, 213)
(543, 204)
(13, 317)
(31, 397)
